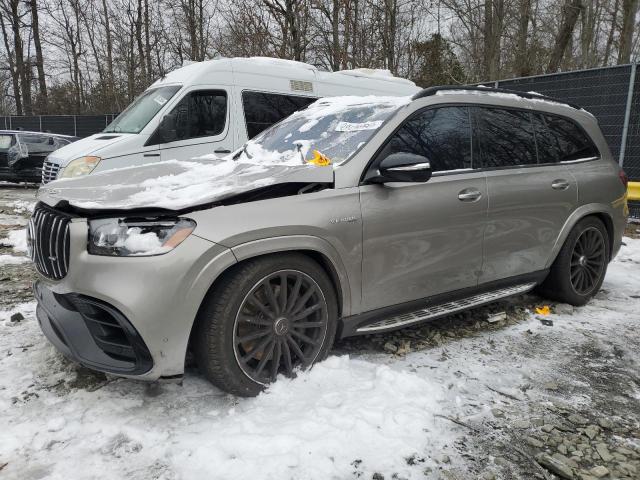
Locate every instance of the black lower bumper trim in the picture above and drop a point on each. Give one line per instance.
(91, 332)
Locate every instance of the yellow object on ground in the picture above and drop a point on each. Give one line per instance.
(543, 310)
(319, 159)
(633, 191)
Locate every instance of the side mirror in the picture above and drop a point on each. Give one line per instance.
(402, 167)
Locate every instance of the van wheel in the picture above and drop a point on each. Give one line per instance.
(578, 271)
(266, 317)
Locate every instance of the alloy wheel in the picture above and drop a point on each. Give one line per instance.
(281, 325)
(587, 261)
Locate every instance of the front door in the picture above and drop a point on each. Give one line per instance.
(422, 239)
(198, 125)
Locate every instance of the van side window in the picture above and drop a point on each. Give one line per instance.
(202, 113)
(261, 110)
(443, 135)
(506, 137)
(560, 140)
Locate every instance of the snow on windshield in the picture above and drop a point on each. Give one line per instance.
(336, 127)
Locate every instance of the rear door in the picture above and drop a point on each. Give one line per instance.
(531, 195)
(422, 239)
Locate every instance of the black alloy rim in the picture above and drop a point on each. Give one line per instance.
(587, 261)
(280, 326)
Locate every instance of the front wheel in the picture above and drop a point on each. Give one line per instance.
(578, 271)
(266, 317)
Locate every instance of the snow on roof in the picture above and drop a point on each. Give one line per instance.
(511, 96)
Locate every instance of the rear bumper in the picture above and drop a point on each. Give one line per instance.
(91, 332)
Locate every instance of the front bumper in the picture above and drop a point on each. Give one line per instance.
(130, 316)
(91, 332)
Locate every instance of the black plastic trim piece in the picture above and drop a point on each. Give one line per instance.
(349, 325)
(68, 321)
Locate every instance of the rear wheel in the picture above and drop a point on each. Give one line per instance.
(267, 317)
(578, 271)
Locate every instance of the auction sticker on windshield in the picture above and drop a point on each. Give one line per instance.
(5, 141)
(159, 99)
(353, 127)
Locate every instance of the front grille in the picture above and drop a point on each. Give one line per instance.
(48, 240)
(49, 172)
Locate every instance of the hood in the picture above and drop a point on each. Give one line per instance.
(88, 146)
(176, 185)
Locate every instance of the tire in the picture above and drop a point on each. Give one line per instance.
(586, 250)
(236, 341)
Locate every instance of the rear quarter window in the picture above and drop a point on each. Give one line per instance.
(560, 140)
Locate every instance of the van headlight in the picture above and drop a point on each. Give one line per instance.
(127, 237)
(80, 166)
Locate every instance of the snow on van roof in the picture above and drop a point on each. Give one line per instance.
(377, 73)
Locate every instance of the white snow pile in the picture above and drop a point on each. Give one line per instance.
(12, 260)
(17, 239)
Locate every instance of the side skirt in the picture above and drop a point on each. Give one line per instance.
(417, 311)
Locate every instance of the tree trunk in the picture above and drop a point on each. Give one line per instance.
(612, 30)
(629, 10)
(571, 11)
(42, 82)
(15, 79)
(522, 55)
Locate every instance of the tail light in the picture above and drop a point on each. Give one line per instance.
(623, 178)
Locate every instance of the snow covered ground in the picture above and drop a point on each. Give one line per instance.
(460, 399)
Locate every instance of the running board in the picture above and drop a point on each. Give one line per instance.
(443, 309)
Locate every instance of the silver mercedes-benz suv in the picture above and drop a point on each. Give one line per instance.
(353, 216)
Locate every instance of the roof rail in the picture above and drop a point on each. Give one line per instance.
(427, 92)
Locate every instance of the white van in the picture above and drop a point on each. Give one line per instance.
(212, 107)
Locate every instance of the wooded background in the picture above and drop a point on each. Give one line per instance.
(95, 56)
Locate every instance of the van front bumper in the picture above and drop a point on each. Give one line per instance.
(129, 316)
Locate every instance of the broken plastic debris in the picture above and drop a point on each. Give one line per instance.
(319, 159)
(497, 317)
(545, 310)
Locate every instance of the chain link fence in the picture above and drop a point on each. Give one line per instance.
(76, 125)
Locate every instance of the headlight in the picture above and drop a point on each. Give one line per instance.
(80, 166)
(127, 237)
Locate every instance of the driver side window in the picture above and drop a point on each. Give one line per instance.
(199, 114)
(443, 135)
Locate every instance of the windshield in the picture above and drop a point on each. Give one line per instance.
(136, 116)
(331, 128)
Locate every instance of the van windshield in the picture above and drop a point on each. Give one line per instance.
(136, 116)
(333, 128)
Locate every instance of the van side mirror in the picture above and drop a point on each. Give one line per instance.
(402, 167)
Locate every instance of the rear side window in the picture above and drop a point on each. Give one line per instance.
(560, 140)
(506, 137)
(443, 135)
(200, 114)
(261, 110)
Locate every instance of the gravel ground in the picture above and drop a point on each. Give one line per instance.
(527, 396)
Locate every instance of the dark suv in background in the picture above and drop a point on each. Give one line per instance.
(22, 153)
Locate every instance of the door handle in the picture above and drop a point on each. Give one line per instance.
(560, 184)
(469, 195)
(221, 150)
